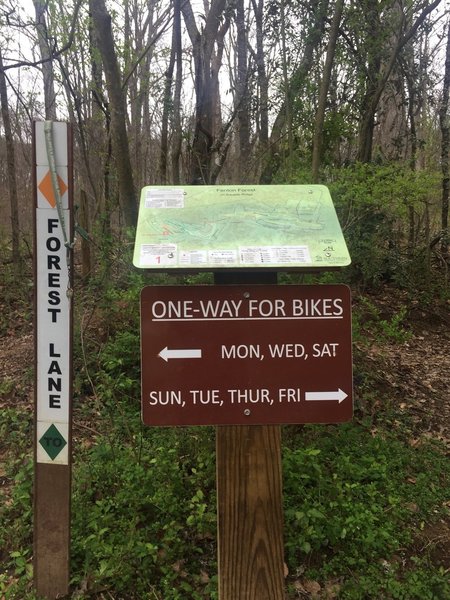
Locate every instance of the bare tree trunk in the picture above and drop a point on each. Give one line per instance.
(127, 194)
(177, 134)
(324, 87)
(101, 124)
(206, 82)
(423, 104)
(409, 75)
(444, 121)
(242, 93)
(11, 167)
(40, 6)
(286, 86)
(263, 83)
(83, 220)
(167, 109)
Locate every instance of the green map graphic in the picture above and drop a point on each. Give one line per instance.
(214, 227)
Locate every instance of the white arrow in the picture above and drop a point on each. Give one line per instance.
(167, 354)
(339, 395)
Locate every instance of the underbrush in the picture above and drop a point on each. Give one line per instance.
(354, 501)
(356, 498)
(147, 505)
(144, 520)
(16, 297)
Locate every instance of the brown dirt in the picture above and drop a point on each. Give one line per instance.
(408, 377)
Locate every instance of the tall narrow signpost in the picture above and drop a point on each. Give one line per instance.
(53, 356)
(245, 354)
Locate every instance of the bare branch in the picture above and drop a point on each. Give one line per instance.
(149, 46)
(54, 53)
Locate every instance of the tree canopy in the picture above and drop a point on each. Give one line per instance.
(242, 91)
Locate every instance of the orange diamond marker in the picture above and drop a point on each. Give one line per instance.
(46, 188)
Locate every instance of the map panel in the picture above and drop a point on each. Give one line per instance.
(211, 228)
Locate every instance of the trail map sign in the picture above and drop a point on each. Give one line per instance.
(213, 228)
(248, 354)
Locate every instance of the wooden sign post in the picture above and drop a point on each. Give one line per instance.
(53, 356)
(250, 512)
(249, 499)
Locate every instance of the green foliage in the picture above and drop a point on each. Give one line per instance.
(366, 316)
(394, 328)
(374, 204)
(7, 385)
(353, 500)
(118, 374)
(16, 528)
(388, 214)
(388, 582)
(15, 427)
(150, 511)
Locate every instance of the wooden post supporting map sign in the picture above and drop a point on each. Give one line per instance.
(53, 356)
(249, 501)
(250, 512)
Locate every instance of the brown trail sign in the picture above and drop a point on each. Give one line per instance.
(248, 354)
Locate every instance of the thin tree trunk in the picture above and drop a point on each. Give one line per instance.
(444, 121)
(40, 7)
(324, 87)
(286, 86)
(103, 29)
(263, 83)
(177, 134)
(83, 220)
(167, 106)
(242, 93)
(413, 157)
(100, 123)
(11, 167)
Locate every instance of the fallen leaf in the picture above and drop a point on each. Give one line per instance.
(312, 587)
(204, 577)
(332, 589)
(298, 586)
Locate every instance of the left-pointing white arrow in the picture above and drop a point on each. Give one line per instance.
(167, 354)
(338, 396)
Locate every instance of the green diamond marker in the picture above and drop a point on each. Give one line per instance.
(52, 442)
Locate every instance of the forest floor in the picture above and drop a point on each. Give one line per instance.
(409, 363)
(402, 376)
(408, 359)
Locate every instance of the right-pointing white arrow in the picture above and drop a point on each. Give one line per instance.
(338, 396)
